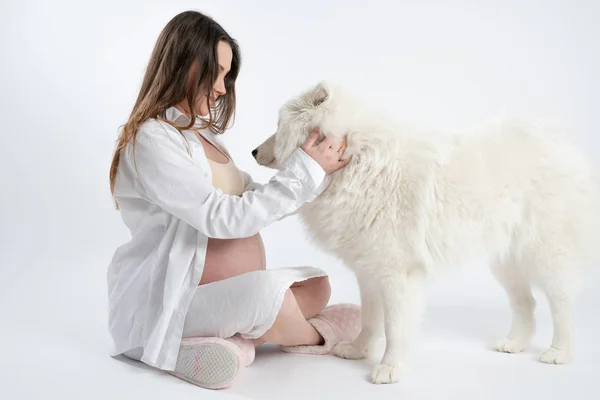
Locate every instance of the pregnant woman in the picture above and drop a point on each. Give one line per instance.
(189, 293)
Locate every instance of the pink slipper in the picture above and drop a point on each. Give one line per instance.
(213, 363)
(337, 323)
(246, 347)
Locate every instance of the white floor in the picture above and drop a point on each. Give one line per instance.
(55, 345)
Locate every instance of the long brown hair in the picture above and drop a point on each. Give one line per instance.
(188, 38)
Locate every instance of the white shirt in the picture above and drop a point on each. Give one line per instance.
(168, 203)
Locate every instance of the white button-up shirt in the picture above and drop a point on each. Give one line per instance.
(167, 201)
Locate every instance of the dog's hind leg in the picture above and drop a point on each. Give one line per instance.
(371, 320)
(522, 304)
(560, 291)
(402, 299)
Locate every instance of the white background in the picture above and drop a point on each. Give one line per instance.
(69, 74)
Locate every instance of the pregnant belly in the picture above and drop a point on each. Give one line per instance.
(226, 258)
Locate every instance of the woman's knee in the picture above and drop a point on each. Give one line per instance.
(316, 294)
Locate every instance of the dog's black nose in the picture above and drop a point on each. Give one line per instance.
(254, 153)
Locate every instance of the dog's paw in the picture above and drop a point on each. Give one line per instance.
(349, 351)
(509, 346)
(384, 373)
(555, 356)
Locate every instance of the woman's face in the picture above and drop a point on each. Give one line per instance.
(224, 56)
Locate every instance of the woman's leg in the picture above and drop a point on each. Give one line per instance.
(301, 302)
(222, 308)
(312, 295)
(291, 327)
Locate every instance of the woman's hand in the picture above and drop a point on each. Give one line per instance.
(327, 153)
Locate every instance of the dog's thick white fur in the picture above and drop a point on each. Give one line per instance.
(411, 203)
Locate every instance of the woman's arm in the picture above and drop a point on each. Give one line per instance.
(171, 179)
(250, 185)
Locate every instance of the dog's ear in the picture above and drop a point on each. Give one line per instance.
(320, 94)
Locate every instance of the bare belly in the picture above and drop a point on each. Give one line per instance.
(226, 258)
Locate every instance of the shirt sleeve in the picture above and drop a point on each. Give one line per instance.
(251, 185)
(171, 179)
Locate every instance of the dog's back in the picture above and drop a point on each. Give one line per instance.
(443, 199)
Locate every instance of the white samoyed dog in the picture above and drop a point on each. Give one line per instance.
(412, 203)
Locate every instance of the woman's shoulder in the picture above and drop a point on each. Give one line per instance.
(153, 126)
(154, 129)
(154, 136)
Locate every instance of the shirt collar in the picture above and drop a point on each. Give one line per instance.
(174, 115)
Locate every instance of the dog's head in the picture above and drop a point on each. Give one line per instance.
(297, 118)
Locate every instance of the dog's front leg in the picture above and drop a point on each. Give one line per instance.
(402, 298)
(371, 321)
